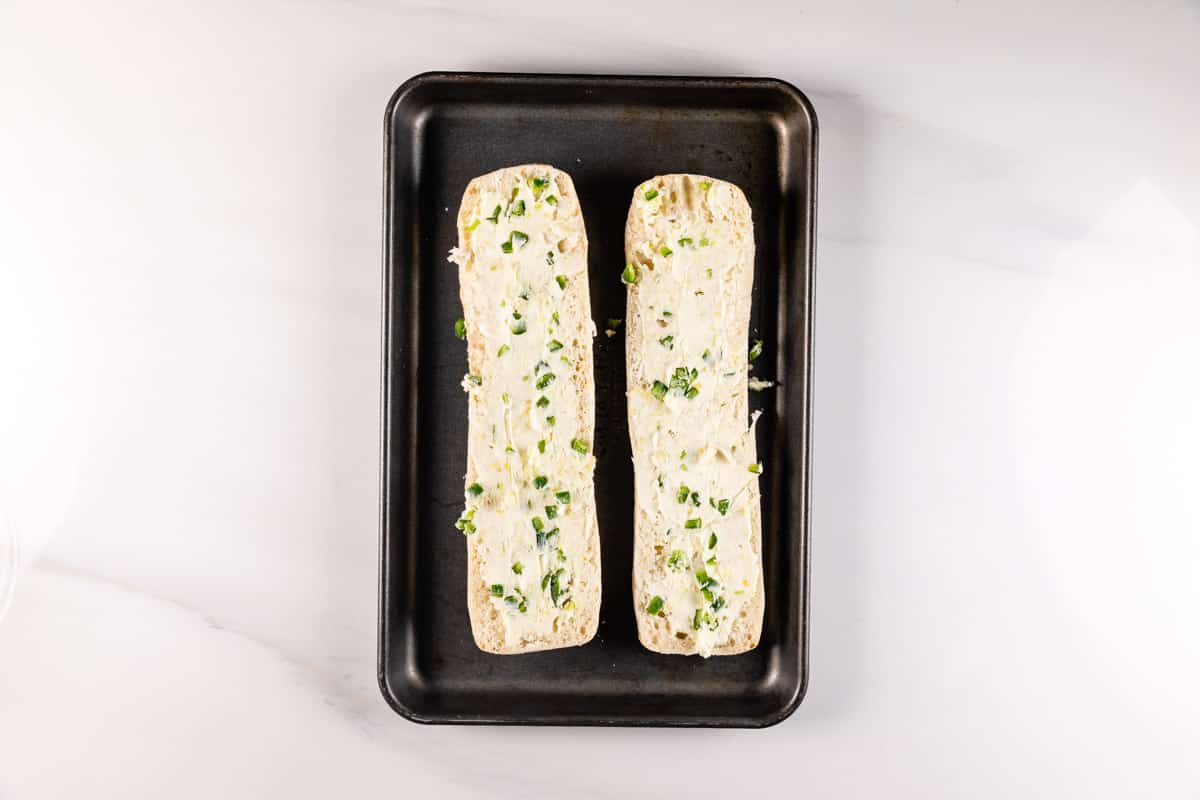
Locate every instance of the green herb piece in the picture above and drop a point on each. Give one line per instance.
(707, 593)
(552, 537)
(668, 342)
(546, 580)
(545, 380)
(561, 555)
(579, 446)
(696, 620)
(554, 346)
(650, 195)
(682, 494)
(539, 366)
(755, 468)
(708, 272)
(518, 209)
(506, 247)
(518, 326)
(562, 281)
(504, 397)
(718, 604)
(665, 251)
(554, 316)
(629, 276)
(550, 420)
(460, 328)
(538, 185)
(550, 257)
(541, 540)
(543, 401)
(555, 589)
(551, 512)
(711, 561)
(551, 200)
(685, 242)
(660, 480)
(705, 185)
(659, 390)
(666, 313)
(705, 241)
(691, 393)
(540, 482)
(756, 350)
(518, 568)
(712, 541)
(475, 379)
(497, 590)
(706, 354)
(655, 605)
(474, 490)
(509, 449)
(473, 225)
(563, 497)
(538, 525)
(692, 523)
(696, 499)
(519, 239)
(676, 560)
(495, 217)
(541, 445)
(503, 349)
(704, 579)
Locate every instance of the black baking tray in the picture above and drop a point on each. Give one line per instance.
(610, 134)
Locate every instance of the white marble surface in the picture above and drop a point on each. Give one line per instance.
(1006, 532)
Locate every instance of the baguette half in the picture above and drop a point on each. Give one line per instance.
(533, 549)
(697, 564)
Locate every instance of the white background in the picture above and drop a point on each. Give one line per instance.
(1006, 532)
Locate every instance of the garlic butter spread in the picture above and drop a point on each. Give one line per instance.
(695, 458)
(529, 447)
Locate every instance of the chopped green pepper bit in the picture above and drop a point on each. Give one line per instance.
(655, 605)
(692, 523)
(503, 349)
(563, 497)
(685, 242)
(705, 185)
(504, 397)
(550, 257)
(538, 525)
(550, 420)
(659, 390)
(543, 401)
(755, 468)
(538, 185)
(551, 512)
(518, 326)
(460, 328)
(554, 317)
(518, 209)
(495, 217)
(540, 482)
(497, 590)
(757, 349)
(518, 568)
(473, 225)
(668, 342)
(554, 346)
(721, 506)
(665, 251)
(561, 280)
(676, 560)
(666, 313)
(629, 276)
(682, 494)
(705, 241)
(551, 200)
(704, 579)
(474, 490)
(579, 446)
(541, 445)
(691, 393)
(718, 604)
(545, 380)
(712, 541)
(650, 195)
(696, 499)
(706, 354)
(475, 379)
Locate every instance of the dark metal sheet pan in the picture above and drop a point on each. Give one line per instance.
(610, 133)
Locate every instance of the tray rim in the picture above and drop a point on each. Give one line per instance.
(805, 348)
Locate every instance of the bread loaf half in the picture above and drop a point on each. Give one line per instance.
(533, 550)
(697, 569)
